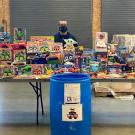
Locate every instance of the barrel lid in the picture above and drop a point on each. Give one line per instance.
(70, 77)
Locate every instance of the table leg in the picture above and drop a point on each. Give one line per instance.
(41, 99)
(37, 102)
(38, 90)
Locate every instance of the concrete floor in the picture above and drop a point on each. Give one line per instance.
(18, 112)
(45, 130)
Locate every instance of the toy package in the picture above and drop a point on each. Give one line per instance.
(83, 64)
(42, 38)
(55, 56)
(37, 69)
(68, 59)
(7, 71)
(57, 47)
(32, 47)
(77, 61)
(45, 46)
(48, 70)
(123, 51)
(19, 56)
(22, 69)
(89, 54)
(79, 50)
(101, 56)
(19, 35)
(101, 42)
(5, 55)
(94, 66)
(124, 40)
(4, 37)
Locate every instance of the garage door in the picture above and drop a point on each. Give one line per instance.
(118, 16)
(40, 17)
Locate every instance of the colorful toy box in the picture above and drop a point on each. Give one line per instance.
(7, 71)
(5, 55)
(19, 35)
(101, 42)
(4, 37)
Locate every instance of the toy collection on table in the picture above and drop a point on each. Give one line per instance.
(41, 57)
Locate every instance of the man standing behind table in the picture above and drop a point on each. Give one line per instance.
(63, 33)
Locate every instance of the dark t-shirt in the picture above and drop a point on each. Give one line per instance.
(60, 38)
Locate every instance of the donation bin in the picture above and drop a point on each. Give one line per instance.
(70, 104)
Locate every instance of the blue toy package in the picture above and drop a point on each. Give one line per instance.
(4, 37)
(89, 54)
(94, 66)
(123, 51)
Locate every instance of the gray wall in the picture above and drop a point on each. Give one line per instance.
(41, 17)
(118, 16)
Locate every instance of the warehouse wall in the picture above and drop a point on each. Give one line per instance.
(118, 16)
(40, 17)
(95, 13)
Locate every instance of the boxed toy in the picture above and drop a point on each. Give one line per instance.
(79, 50)
(83, 64)
(22, 69)
(89, 54)
(42, 38)
(94, 66)
(37, 69)
(5, 55)
(57, 47)
(101, 42)
(7, 71)
(124, 39)
(4, 37)
(77, 61)
(19, 35)
(32, 47)
(68, 59)
(19, 56)
(45, 47)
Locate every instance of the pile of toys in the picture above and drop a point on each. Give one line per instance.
(41, 57)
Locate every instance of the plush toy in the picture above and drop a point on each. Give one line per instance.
(69, 46)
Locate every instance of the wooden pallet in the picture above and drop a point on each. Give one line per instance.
(105, 93)
(108, 94)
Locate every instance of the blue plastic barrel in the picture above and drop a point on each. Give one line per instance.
(70, 117)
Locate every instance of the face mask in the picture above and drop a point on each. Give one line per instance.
(63, 29)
